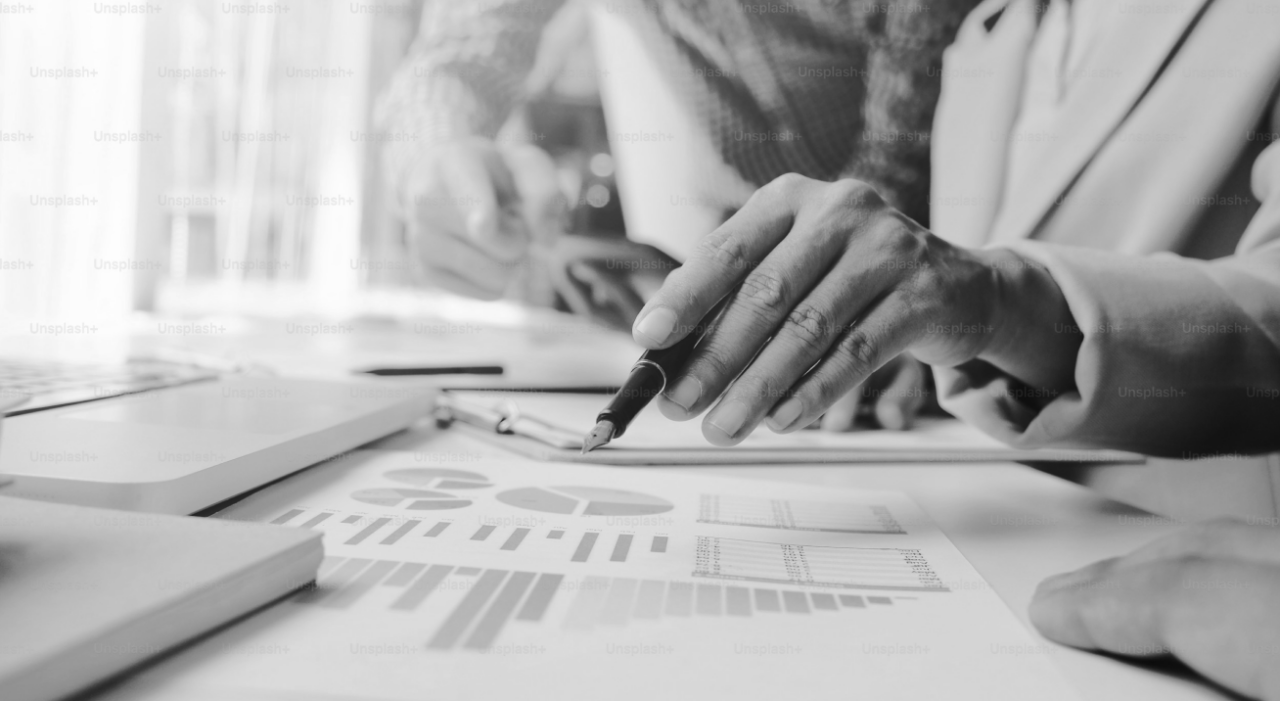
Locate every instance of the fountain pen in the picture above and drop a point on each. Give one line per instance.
(647, 380)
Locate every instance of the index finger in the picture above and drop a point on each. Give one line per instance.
(721, 261)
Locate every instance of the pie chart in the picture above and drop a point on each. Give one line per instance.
(440, 478)
(412, 499)
(585, 501)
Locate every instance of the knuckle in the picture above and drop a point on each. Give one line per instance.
(859, 347)
(849, 192)
(712, 366)
(765, 291)
(726, 250)
(826, 392)
(810, 327)
(788, 183)
(904, 244)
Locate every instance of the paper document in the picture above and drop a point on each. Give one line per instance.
(504, 579)
(652, 439)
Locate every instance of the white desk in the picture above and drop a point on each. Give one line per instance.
(1016, 525)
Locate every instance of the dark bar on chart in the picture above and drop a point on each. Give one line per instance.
(824, 602)
(584, 547)
(555, 535)
(540, 598)
(852, 601)
(400, 532)
(621, 548)
(617, 606)
(437, 529)
(709, 600)
(466, 611)
(483, 532)
(649, 601)
(351, 519)
(335, 581)
(767, 600)
(795, 602)
(659, 544)
(405, 574)
(286, 516)
(586, 605)
(490, 626)
(421, 589)
(316, 520)
(882, 600)
(679, 599)
(327, 564)
(737, 601)
(515, 539)
(367, 580)
(367, 531)
(468, 571)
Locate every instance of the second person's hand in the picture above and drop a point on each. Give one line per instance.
(475, 208)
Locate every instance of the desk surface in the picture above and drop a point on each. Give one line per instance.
(1016, 525)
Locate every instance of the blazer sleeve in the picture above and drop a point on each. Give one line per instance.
(1180, 357)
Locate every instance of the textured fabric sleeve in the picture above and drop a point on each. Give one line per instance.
(1180, 357)
(463, 74)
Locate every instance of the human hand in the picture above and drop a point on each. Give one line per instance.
(828, 283)
(895, 395)
(607, 279)
(475, 209)
(1209, 595)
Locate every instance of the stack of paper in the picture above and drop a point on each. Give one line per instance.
(495, 579)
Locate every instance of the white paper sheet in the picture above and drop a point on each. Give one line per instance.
(495, 579)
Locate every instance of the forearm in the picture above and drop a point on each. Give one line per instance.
(463, 75)
(1174, 357)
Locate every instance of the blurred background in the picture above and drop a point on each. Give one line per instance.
(197, 156)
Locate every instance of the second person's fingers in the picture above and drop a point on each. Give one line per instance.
(483, 192)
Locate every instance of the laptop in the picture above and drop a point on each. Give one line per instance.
(167, 438)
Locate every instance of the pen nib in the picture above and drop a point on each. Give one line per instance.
(600, 435)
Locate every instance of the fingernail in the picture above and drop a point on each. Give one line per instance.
(729, 419)
(655, 326)
(785, 415)
(891, 417)
(686, 393)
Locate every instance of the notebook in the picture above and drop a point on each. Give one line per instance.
(87, 593)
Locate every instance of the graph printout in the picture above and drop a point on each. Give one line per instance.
(501, 577)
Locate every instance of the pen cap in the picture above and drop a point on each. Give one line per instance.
(645, 382)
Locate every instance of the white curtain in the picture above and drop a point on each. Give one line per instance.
(70, 80)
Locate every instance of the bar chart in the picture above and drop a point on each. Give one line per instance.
(893, 569)
(485, 601)
(795, 515)
(575, 546)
